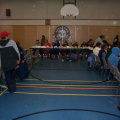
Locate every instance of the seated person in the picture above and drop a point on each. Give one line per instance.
(106, 43)
(56, 51)
(97, 48)
(47, 51)
(22, 71)
(109, 51)
(89, 43)
(82, 51)
(65, 44)
(56, 43)
(114, 57)
(36, 44)
(75, 44)
(23, 50)
(65, 52)
(73, 56)
(102, 53)
(46, 43)
(91, 60)
(83, 44)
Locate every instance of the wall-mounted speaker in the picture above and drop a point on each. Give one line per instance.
(47, 21)
(8, 12)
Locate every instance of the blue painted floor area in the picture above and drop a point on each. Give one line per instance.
(58, 90)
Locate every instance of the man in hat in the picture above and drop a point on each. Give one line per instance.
(99, 39)
(9, 59)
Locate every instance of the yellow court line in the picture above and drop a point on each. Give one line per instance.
(70, 80)
(65, 85)
(72, 88)
(4, 91)
(36, 61)
(65, 94)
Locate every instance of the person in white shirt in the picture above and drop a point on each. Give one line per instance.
(97, 48)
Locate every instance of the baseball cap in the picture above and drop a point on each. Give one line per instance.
(4, 33)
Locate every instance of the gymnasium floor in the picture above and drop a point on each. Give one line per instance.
(58, 90)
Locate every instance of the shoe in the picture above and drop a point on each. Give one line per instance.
(62, 60)
(3, 86)
(70, 60)
(118, 107)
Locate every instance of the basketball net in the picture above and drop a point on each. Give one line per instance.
(69, 16)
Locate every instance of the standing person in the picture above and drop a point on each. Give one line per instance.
(43, 40)
(9, 60)
(116, 39)
(99, 39)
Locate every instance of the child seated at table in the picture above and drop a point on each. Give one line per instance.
(55, 50)
(75, 44)
(65, 52)
(36, 44)
(47, 51)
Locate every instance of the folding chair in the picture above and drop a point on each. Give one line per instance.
(29, 58)
(106, 66)
(117, 76)
(111, 70)
(37, 55)
(97, 62)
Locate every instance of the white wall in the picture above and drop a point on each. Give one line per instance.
(91, 12)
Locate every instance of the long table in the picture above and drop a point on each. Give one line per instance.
(61, 47)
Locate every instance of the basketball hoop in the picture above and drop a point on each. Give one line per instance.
(69, 15)
(69, 10)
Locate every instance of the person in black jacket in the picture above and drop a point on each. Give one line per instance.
(102, 53)
(22, 72)
(9, 60)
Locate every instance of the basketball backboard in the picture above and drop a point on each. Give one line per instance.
(69, 10)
